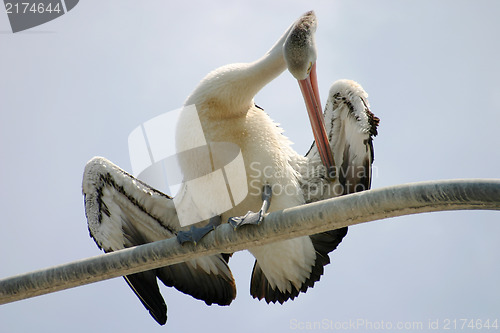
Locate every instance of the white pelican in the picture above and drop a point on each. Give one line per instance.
(123, 211)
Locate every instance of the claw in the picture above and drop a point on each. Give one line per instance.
(251, 217)
(248, 218)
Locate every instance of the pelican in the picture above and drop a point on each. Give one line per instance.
(123, 211)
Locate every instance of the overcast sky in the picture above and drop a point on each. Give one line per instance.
(77, 86)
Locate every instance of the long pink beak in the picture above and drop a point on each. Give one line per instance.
(309, 89)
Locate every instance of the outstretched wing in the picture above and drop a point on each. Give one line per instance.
(123, 212)
(351, 127)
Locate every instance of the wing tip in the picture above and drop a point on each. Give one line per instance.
(212, 288)
(145, 287)
(352, 94)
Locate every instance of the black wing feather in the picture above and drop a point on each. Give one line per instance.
(123, 212)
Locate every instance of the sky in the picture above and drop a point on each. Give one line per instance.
(76, 87)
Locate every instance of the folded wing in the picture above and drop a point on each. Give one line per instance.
(351, 127)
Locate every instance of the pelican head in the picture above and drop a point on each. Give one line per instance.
(299, 49)
(299, 52)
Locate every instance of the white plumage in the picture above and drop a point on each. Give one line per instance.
(123, 211)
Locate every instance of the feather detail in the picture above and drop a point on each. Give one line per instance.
(123, 212)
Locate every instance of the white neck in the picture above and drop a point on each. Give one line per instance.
(229, 90)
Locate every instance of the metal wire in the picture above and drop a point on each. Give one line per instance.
(298, 221)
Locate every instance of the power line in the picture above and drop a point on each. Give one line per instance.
(376, 204)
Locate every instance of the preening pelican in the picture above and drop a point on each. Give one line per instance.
(123, 211)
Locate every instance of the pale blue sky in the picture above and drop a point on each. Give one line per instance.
(77, 86)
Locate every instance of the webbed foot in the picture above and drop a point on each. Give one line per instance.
(248, 218)
(195, 234)
(251, 217)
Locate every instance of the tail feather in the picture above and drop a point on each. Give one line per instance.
(323, 243)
